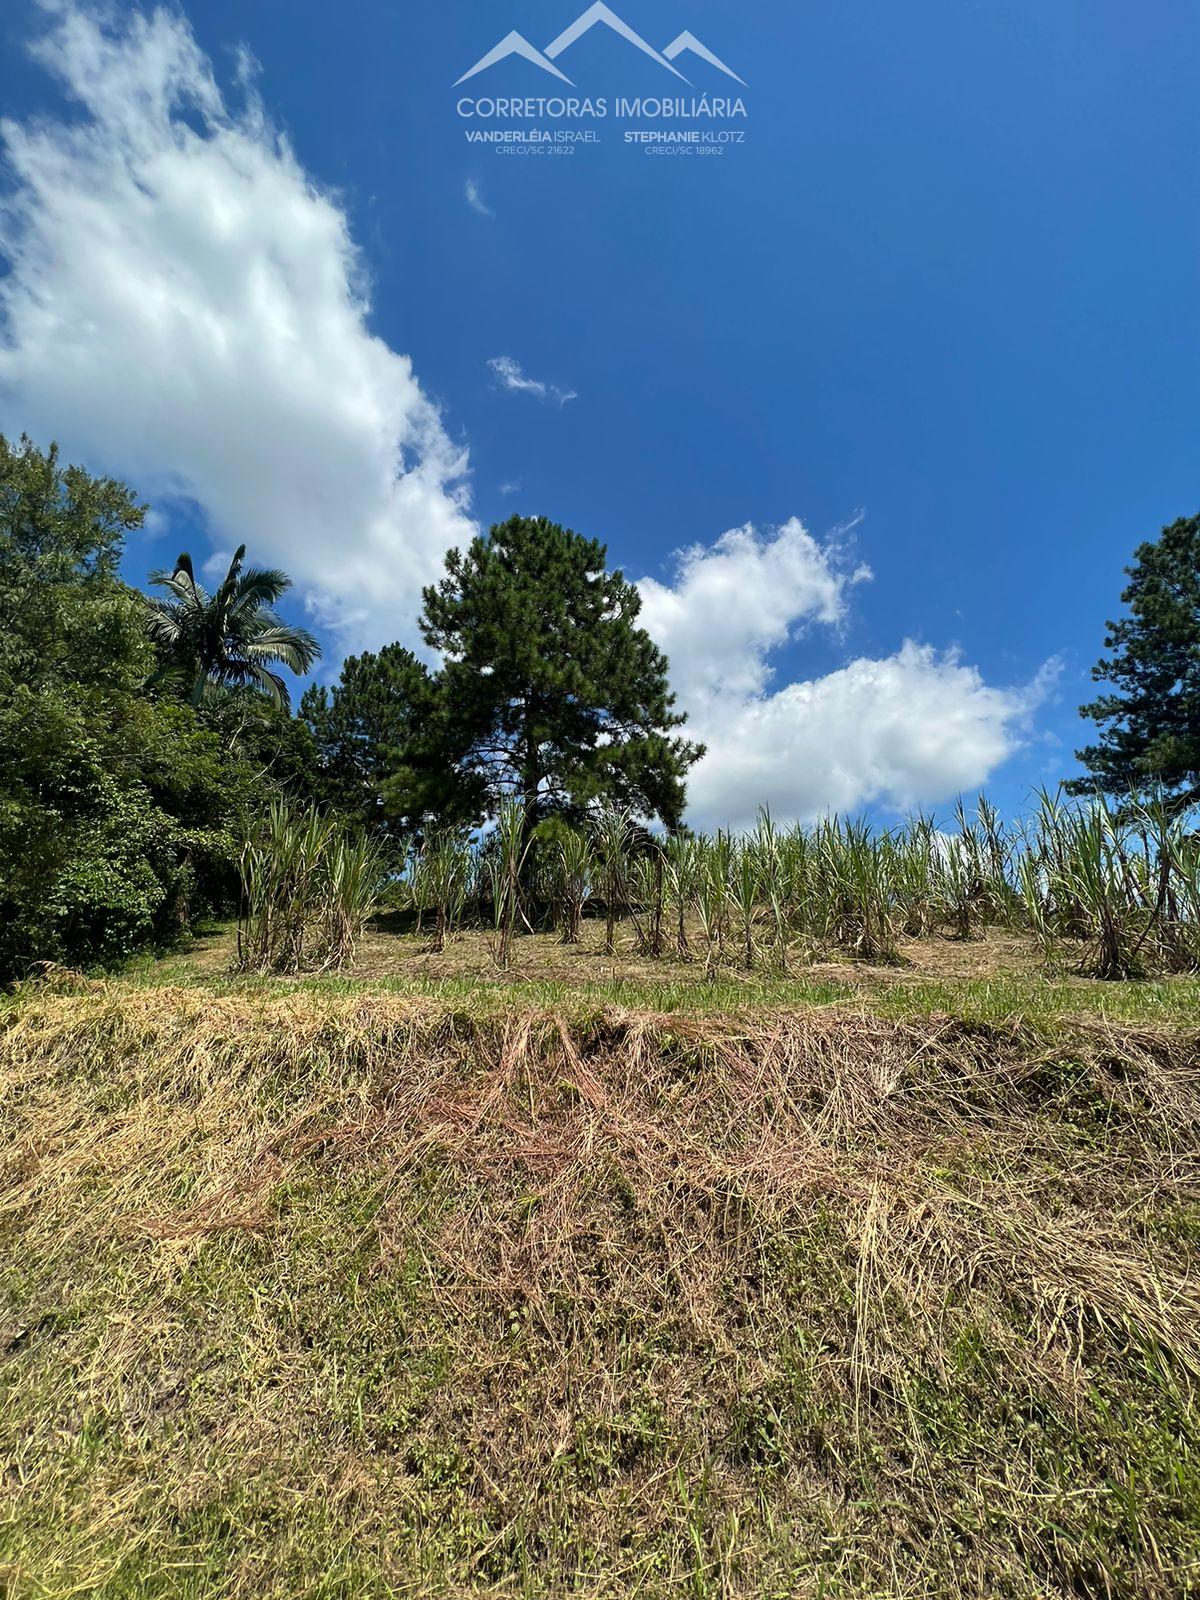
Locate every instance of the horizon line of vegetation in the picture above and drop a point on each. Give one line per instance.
(153, 773)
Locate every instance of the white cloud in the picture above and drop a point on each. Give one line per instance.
(215, 566)
(511, 377)
(735, 600)
(187, 308)
(475, 200)
(913, 728)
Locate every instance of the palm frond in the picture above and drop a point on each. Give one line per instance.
(163, 623)
(272, 684)
(230, 636)
(227, 593)
(261, 586)
(295, 647)
(182, 585)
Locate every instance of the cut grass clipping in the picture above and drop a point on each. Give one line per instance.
(334, 1295)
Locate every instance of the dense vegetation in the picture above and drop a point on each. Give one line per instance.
(145, 740)
(120, 807)
(154, 774)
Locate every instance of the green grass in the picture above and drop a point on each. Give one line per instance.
(998, 996)
(337, 1289)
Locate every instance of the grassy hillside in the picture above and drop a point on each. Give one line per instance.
(991, 980)
(328, 1290)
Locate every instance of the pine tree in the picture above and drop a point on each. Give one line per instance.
(385, 753)
(563, 700)
(1151, 723)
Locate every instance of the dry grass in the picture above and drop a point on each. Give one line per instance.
(357, 1294)
(543, 957)
(992, 979)
(390, 949)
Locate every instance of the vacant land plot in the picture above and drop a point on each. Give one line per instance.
(864, 1283)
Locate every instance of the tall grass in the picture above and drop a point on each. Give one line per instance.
(511, 850)
(1113, 892)
(308, 889)
(613, 838)
(439, 881)
(575, 864)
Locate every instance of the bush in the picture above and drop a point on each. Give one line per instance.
(118, 811)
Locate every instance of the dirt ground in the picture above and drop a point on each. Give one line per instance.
(392, 949)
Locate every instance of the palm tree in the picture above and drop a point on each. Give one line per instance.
(228, 638)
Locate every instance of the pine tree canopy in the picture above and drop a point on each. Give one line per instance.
(386, 751)
(1151, 721)
(562, 699)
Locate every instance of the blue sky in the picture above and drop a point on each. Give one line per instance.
(943, 292)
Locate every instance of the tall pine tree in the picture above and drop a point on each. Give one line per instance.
(387, 752)
(563, 700)
(1151, 722)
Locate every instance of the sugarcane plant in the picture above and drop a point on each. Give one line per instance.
(1113, 889)
(576, 864)
(511, 845)
(612, 839)
(308, 888)
(439, 881)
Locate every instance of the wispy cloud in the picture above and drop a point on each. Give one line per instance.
(475, 199)
(515, 380)
(512, 487)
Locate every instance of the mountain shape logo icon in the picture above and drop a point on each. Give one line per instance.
(514, 44)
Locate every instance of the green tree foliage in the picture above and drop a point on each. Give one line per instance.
(1151, 722)
(386, 752)
(561, 698)
(116, 809)
(230, 638)
(276, 744)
